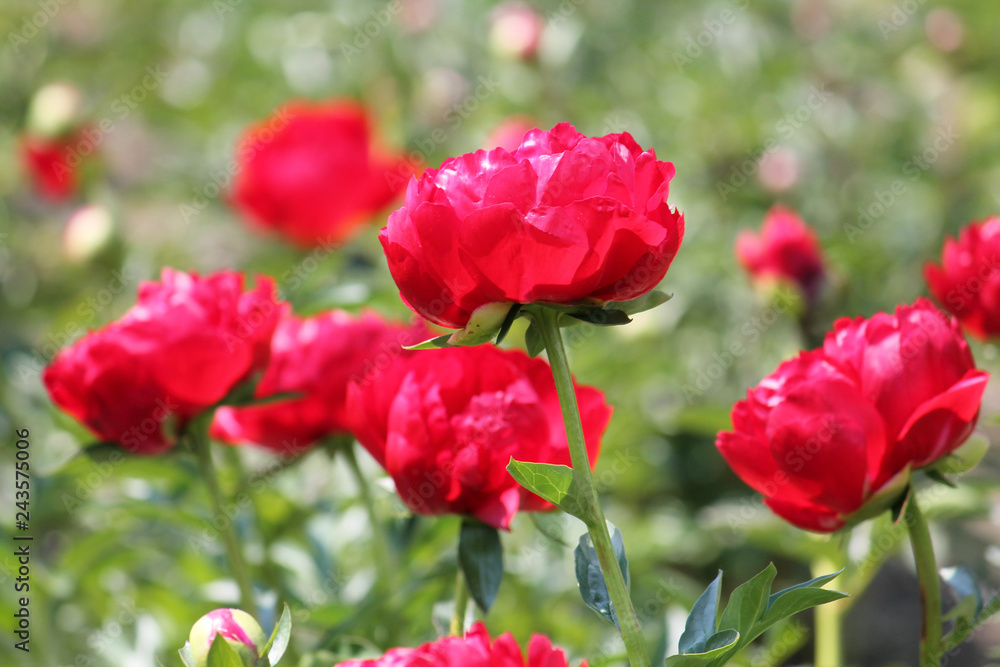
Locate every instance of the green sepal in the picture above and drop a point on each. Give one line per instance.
(221, 654)
(186, 657)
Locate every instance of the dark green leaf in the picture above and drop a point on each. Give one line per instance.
(643, 303)
(593, 587)
(280, 636)
(794, 601)
(812, 583)
(899, 507)
(507, 322)
(273, 398)
(939, 477)
(552, 482)
(480, 555)
(103, 452)
(701, 622)
(222, 654)
(748, 603)
(721, 642)
(601, 316)
(533, 340)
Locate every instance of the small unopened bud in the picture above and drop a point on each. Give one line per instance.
(55, 110)
(87, 231)
(237, 627)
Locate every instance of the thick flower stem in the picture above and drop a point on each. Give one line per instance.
(930, 584)
(457, 627)
(203, 451)
(829, 619)
(380, 544)
(547, 321)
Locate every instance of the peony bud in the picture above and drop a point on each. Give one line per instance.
(237, 627)
(87, 231)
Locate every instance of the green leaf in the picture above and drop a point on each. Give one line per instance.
(812, 583)
(794, 600)
(593, 587)
(552, 482)
(222, 654)
(936, 475)
(604, 317)
(701, 622)
(964, 584)
(186, 656)
(533, 340)
(748, 603)
(716, 646)
(431, 344)
(480, 555)
(643, 303)
(102, 452)
(507, 322)
(280, 636)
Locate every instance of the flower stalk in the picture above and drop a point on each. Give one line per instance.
(202, 448)
(457, 627)
(930, 583)
(547, 321)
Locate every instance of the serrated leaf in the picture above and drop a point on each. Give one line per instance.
(431, 344)
(512, 315)
(643, 303)
(604, 317)
(716, 647)
(480, 555)
(965, 586)
(593, 587)
(280, 636)
(221, 654)
(552, 482)
(748, 602)
(186, 657)
(533, 340)
(701, 622)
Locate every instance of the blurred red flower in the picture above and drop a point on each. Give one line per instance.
(561, 219)
(318, 357)
(473, 650)
(180, 349)
(967, 282)
(509, 134)
(786, 249)
(314, 173)
(48, 162)
(446, 423)
(516, 30)
(840, 426)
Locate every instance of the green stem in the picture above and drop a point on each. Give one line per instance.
(461, 605)
(829, 619)
(204, 452)
(379, 542)
(930, 585)
(547, 321)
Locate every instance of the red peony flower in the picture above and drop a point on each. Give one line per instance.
(49, 164)
(841, 427)
(317, 356)
(473, 650)
(561, 219)
(786, 249)
(313, 173)
(967, 282)
(183, 347)
(446, 423)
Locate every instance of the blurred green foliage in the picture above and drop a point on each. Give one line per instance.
(822, 105)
